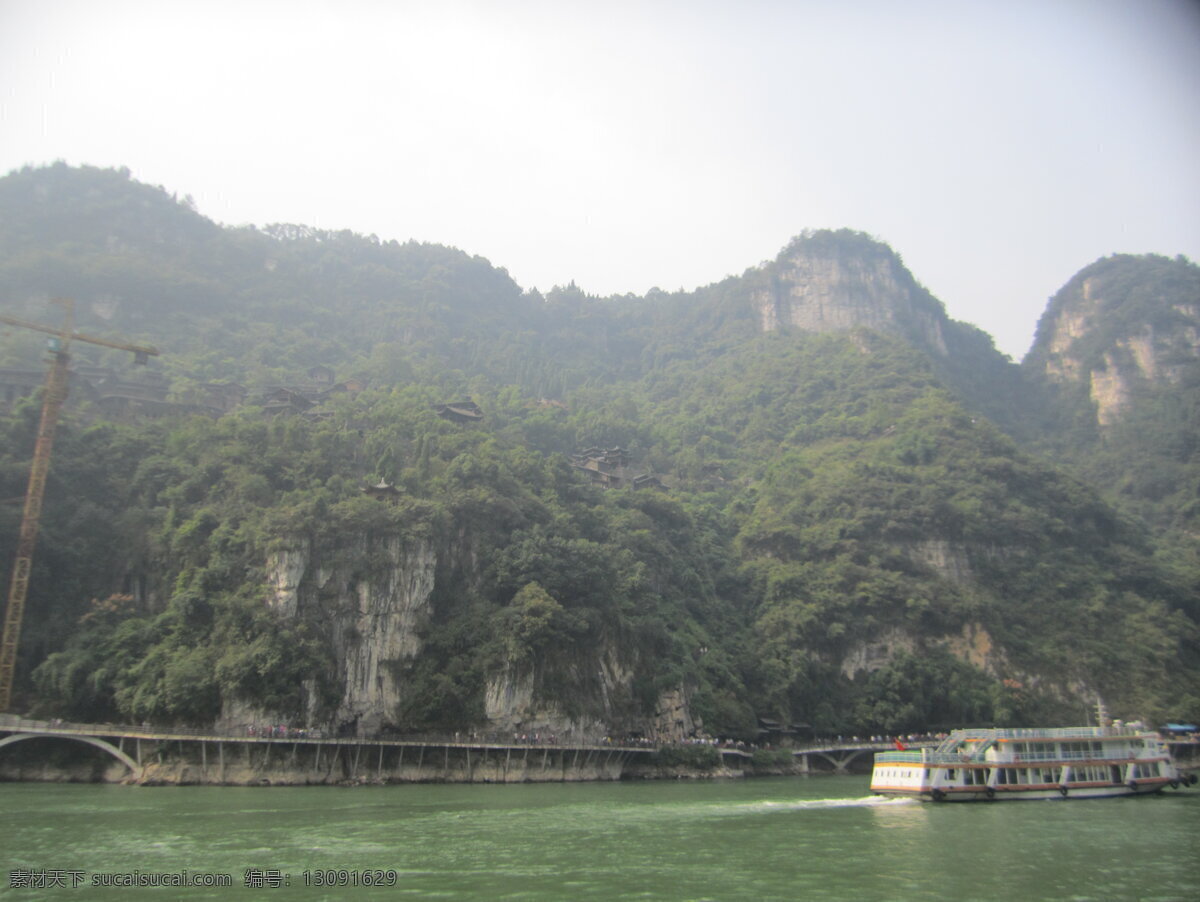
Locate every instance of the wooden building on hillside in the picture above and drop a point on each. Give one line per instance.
(383, 491)
(285, 401)
(610, 468)
(459, 411)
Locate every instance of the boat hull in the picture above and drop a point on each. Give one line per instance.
(1033, 793)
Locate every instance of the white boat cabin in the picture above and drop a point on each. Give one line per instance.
(1067, 762)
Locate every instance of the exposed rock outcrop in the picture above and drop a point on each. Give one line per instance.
(371, 598)
(974, 645)
(518, 700)
(373, 615)
(1121, 326)
(836, 282)
(673, 719)
(948, 560)
(876, 653)
(512, 705)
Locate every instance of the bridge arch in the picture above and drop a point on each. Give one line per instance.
(90, 740)
(839, 758)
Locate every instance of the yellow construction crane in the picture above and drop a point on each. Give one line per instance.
(55, 393)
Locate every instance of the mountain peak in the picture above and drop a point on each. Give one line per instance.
(835, 281)
(1120, 325)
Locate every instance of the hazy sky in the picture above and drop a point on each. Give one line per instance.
(997, 146)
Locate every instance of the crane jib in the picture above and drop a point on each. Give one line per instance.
(54, 396)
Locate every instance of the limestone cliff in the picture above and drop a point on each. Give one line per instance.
(520, 701)
(371, 599)
(838, 281)
(1122, 326)
(973, 645)
(514, 705)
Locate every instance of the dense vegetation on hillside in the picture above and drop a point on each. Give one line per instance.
(1143, 314)
(846, 539)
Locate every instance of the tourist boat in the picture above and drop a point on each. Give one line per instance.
(1066, 762)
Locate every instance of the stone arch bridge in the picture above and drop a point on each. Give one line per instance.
(15, 729)
(841, 754)
(115, 750)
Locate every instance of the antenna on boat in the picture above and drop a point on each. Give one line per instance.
(1102, 718)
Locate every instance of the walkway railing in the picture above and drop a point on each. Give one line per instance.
(831, 746)
(490, 740)
(14, 723)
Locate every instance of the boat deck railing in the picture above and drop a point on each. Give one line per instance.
(913, 757)
(933, 756)
(1045, 733)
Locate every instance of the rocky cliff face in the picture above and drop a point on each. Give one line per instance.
(1121, 326)
(835, 282)
(516, 702)
(514, 705)
(974, 645)
(372, 600)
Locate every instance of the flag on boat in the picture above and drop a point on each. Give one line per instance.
(900, 745)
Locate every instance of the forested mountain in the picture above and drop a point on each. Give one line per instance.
(857, 515)
(1118, 350)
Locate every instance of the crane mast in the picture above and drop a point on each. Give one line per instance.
(54, 394)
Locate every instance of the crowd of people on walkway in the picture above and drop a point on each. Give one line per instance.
(629, 740)
(547, 738)
(283, 731)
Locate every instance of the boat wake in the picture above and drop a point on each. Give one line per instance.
(807, 804)
(771, 806)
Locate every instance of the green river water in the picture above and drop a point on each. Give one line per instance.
(780, 838)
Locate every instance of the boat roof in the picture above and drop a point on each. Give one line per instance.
(1003, 734)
